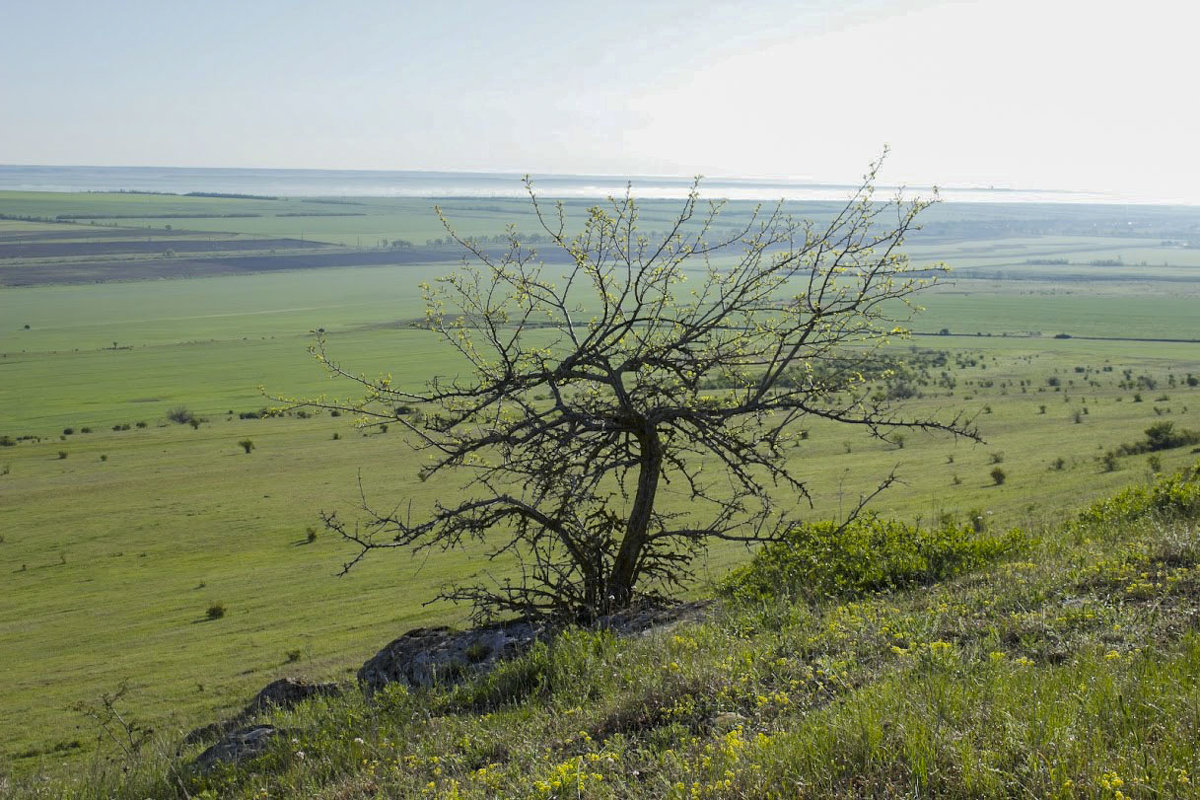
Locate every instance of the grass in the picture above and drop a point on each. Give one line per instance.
(1062, 668)
(177, 515)
(154, 525)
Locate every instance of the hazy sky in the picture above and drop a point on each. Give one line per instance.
(1072, 94)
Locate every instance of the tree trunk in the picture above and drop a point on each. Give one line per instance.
(625, 566)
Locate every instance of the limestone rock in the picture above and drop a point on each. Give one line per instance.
(649, 618)
(287, 692)
(237, 745)
(440, 656)
(277, 695)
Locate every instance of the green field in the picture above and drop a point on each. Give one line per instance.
(117, 541)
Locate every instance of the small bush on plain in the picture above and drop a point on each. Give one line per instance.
(1161, 436)
(1171, 497)
(820, 560)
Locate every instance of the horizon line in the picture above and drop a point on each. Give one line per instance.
(1049, 195)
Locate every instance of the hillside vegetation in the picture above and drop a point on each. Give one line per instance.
(948, 662)
(176, 568)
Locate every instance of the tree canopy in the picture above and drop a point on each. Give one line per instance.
(619, 367)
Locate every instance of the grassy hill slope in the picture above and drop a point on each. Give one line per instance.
(889, 661)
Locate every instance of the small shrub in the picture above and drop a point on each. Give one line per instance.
(293, 656)
(1169, 497)
(246, 445)
(62, 454)
(998, 476)
(181, 415)
(310, 534)
(68, 431)
(822, 560)
(996, 458)
(7, 441)
(85, 430)
(1109, 461)
(1161, 436)
(215, 611)
(140, 425)
(336, 436)
(1058, 464)
(104, 456)
(1155, 464)
(195, 422)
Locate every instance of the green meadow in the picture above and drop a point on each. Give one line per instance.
(121, 529)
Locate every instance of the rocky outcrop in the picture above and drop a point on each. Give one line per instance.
(287, 692)
(237, 745)
(651, 618)
(423, 657)
(281, 694)
(439, 656)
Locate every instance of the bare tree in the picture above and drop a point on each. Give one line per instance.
(620, 367)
